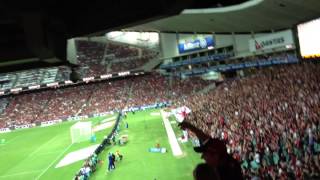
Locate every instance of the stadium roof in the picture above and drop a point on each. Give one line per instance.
(39, 29)
(250, 16)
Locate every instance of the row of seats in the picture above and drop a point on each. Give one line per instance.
(197, 60)
(33, 77)
(101, 58)
(249, 63)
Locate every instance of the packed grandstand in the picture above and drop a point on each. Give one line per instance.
(269, 119)
(264, 104)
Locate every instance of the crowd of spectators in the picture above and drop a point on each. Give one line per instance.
(100, 97)
(106, 97)
(195, 65)
(158, 88)
(89, 166)
(100, 58)
(127, 58)
(276, 55)
(121, 50)
(270, 121)
(129, 64)
(90, 54)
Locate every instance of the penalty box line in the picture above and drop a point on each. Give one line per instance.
(58, 157)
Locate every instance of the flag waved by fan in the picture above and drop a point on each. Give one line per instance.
(181, 113)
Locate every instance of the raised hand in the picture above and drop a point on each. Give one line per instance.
(199, 133)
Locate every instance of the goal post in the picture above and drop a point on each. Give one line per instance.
(81, 131)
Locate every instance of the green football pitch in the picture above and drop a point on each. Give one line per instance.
(33, 153)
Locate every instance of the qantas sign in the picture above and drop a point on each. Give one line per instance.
(274, 40)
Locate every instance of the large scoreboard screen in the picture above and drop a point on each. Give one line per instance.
(309, 39)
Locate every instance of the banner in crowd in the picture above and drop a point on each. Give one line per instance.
(102, 114)
(195, 43)
(50, 123)
(24, 126)
(274, 40)
(76, 118)
(4, 130)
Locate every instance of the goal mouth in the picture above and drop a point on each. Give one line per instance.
(81, 131)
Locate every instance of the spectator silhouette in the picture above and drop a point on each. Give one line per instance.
(214, 152)
(204, 172)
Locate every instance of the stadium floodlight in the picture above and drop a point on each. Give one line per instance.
(81, 131)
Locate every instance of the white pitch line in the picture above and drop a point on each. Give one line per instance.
(43, 145)
(35, 151)
(20, 173)
(44, 171)
(46, 153)
(11, 140)
(109, 119)
(103, 126)
(175, 147)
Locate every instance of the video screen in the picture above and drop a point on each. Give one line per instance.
(309, 39)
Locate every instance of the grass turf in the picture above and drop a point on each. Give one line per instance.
(144, 132)
(33, 153)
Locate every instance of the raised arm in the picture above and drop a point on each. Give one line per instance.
(199, 133)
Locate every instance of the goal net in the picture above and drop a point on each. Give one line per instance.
(81, 131)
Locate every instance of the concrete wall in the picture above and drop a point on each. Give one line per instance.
(148, 40)
(71, 51)
(223, 40)
(168, 45)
